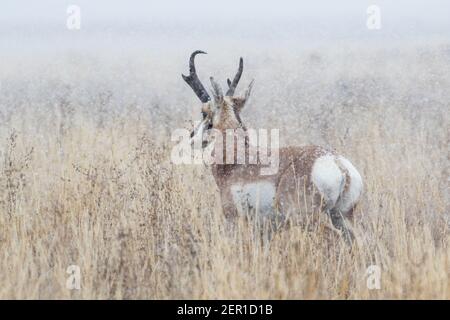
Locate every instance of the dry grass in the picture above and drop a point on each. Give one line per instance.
(97, 191)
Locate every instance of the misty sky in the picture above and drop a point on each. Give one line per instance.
(423, 11)
(30, 22)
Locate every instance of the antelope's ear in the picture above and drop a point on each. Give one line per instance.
(238, 103)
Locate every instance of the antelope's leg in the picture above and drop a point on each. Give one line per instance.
(339, 223)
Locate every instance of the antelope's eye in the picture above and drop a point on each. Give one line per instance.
(204, 114)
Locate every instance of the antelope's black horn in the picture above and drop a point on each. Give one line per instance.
(193, 81)
(233, 84)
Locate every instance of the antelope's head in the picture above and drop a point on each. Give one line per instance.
(223, 111)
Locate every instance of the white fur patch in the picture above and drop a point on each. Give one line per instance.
(198, 133)
(351, 197)
(328, 179)
(257, 196)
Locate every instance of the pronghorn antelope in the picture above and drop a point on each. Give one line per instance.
(327, 179)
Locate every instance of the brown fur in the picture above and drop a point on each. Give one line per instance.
(292, 181)
(294, 191)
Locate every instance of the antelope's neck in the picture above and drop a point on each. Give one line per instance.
(234, 150)
(236, 163)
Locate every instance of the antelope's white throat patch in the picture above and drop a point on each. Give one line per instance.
(257, 196)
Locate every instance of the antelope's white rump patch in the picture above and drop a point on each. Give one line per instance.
(330, 180)
(351, 196)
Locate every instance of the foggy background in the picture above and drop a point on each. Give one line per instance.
(314, 63)
(182, 25)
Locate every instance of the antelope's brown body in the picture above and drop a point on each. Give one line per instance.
(309, 180)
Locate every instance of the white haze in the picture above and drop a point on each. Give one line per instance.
(179, 25)
(312, 62)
